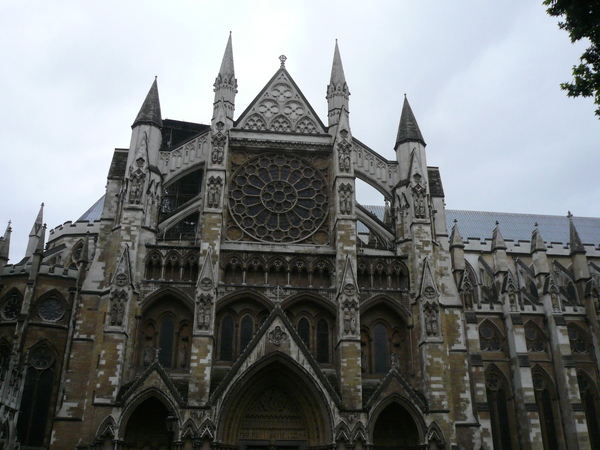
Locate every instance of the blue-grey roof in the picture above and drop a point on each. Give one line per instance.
(513, 226)
(518, 227)
(95, 211)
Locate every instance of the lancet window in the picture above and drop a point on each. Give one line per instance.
(591, 403)
(501, 407)
(547, 402)
(578, 339)
(490, 339)
(535, 338)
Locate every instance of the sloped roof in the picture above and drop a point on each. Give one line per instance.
(95, 211)
(519, 227)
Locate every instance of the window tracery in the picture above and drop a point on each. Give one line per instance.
(498, 399)
(11, 306)
(490, 339)
(278, 198)
(534, 338)
(578, 339)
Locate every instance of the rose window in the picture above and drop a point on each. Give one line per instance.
(278, 198)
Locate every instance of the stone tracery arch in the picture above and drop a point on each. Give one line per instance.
(278, 401)
(396, 422)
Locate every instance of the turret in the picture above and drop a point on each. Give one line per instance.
(146, 140)
(225, 88)
(499, 251)
(5, 246)
(36, 234)
(577, 252)
(538, 253)
(337, 93)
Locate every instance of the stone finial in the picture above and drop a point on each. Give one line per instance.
(150, 110)
(282, 60)
(408, 130)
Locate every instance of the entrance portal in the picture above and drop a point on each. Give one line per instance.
(147, 427)
(275, 407)
(395, 429)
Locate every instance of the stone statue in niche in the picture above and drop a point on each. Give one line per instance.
(218, 143)
(214, 192)
(394, 361)
(345, 196)
(512, 299)
(136, 187)
(204, 312)
(183, 354)
(419, 197)
(468, 297)
(344, 156)
(431, 320)
(117, 308)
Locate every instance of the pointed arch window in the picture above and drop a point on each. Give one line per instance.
(227, 328)
(578, 339)
(591, 403)
(246, 331)
(304, 330)
(548, 410)
(36, 399)
(500, 411)
(166, 341)
(534, 338)
(154, 267)
(11, 306)
(322, 341)
(4, 359)
(490, 339)
(380, 347)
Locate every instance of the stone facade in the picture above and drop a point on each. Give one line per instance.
(229, 292)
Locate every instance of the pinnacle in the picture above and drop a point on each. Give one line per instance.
(150, 110)
(408, 130)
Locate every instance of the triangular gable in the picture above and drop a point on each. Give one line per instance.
(429, 288)
(276, 328)
(122, 276)
(281, 107)
(415, 397)
(153, 377)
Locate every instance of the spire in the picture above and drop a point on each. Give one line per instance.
(537, 243)
(575, 243)
(5, 245)
(225, 87)
(337, 90)
(150, 110)
(499, 251)
(408, 130)
(36, 232)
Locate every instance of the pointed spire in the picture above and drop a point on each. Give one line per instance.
(575, 243)
(36, 233)
(456, 239)
(150, 110)
(338, 79)
(337, 91)
(5, 245)
(225, 88)
(227, 72)
(497, 239)
(537, 243)
(408, 130)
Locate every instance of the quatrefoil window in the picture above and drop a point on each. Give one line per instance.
(277, 198)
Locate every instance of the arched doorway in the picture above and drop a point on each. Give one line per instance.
(396, 429)
(275, 406)
(147, 427)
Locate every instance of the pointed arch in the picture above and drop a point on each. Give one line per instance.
(467, 287)
(106, 431)
(276, 384)
(535, 338)
(502, 412)
(11, 303)
(579, 339)
(590, 397)
(549, 410)
(405, 423)
(169, 291)
(491, 338)
(75, 254)
(154, 265)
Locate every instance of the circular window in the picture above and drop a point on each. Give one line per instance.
(41, 358)
(277, 198)
(51, 309)
(12, 307)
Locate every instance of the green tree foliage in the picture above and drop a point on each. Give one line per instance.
(581, 21)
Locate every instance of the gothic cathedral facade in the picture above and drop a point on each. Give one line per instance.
(228, 292)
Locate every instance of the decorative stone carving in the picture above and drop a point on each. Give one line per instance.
(419, 192)
(431, 319)
(218, 147)
(277, 335)
(204, 312)
(345, 198)
(118, 302)
(214, 192)
(344, 148)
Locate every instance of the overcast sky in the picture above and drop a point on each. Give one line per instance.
(482, 78)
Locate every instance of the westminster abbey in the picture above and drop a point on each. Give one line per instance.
(228, 292)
